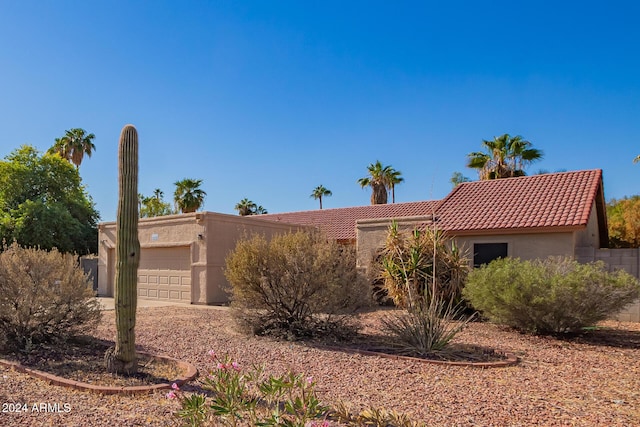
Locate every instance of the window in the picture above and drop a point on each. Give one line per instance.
(484, 253)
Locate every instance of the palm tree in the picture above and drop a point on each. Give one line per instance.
(393, 178)
(378, 181)
(260, 211)
(320, 192)
(246, 207)
(158, 194)
(74, 145)
(505, 157)
(188, 195)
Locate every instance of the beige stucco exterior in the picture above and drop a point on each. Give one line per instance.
(524, 244)
(182, 256)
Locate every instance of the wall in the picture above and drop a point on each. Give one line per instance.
(616, 259)
(371, 234)
(221, 234)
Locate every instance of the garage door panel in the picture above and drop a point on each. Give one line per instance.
(165, 273)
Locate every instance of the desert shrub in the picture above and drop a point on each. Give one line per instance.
(295, 285)
(426, 329)
(550, 296)
(423, 272)
(44, 297)
(414, 266)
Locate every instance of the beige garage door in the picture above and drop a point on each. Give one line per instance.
(165, 274)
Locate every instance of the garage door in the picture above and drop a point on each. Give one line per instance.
(165, 274)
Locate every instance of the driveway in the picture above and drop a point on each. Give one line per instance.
(108, 303)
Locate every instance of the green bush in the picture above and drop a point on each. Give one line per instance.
(295, 285)
(44, 297)
(550, 296)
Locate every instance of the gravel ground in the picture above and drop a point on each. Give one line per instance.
(584, 382)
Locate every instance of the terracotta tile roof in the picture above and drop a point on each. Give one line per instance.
(340, 223)
(539, 201)
(532, 203)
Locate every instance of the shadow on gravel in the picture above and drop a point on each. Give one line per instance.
(609, 337)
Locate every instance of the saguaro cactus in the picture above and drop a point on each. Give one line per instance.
(122, 359)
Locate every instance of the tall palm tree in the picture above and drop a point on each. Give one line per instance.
(74, 145)
(158, 194)
(378, 181)
(188, 195)
(245, 207)
(505, 157)
(393, 178)
(319, 192)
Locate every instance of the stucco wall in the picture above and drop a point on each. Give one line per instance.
(208, 236)
(370, 235)
(590, 236)
(524, 246)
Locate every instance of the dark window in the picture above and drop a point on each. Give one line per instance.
(484, 253)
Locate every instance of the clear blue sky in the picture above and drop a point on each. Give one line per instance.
(268, 99)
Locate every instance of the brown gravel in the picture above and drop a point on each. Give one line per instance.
(588, 381)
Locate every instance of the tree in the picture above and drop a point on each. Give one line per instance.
(378, 180)
(74, 145)
(505, 157)
(260, 211)
(188, 195)
(319, 192)
(154, 205)
(393, 178)
(44, 204)
(246, 207)
(623, 218)
(457, 178)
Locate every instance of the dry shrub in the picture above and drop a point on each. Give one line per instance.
(551, 296)
(295, 285)
(44, 297)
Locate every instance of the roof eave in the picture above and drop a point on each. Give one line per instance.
(520, 230)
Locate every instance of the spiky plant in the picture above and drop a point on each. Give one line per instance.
(122, 359)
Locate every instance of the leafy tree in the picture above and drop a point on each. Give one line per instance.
(74, 145)
(246, 207)
(43, 203)
(188, 195)
(319, 192)
(623, 217)
(393, 178)
(154, 205)
(378, 180)
(457, 178)
(505, 157)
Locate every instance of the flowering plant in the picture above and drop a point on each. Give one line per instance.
(246, 395)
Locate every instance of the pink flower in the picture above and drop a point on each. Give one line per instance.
(172, 395)
(220, 366)
(212, 354)
(175, 386)
(235, 366)
(309, 380)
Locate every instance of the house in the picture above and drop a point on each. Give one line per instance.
(559, 214)
(526, 217)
